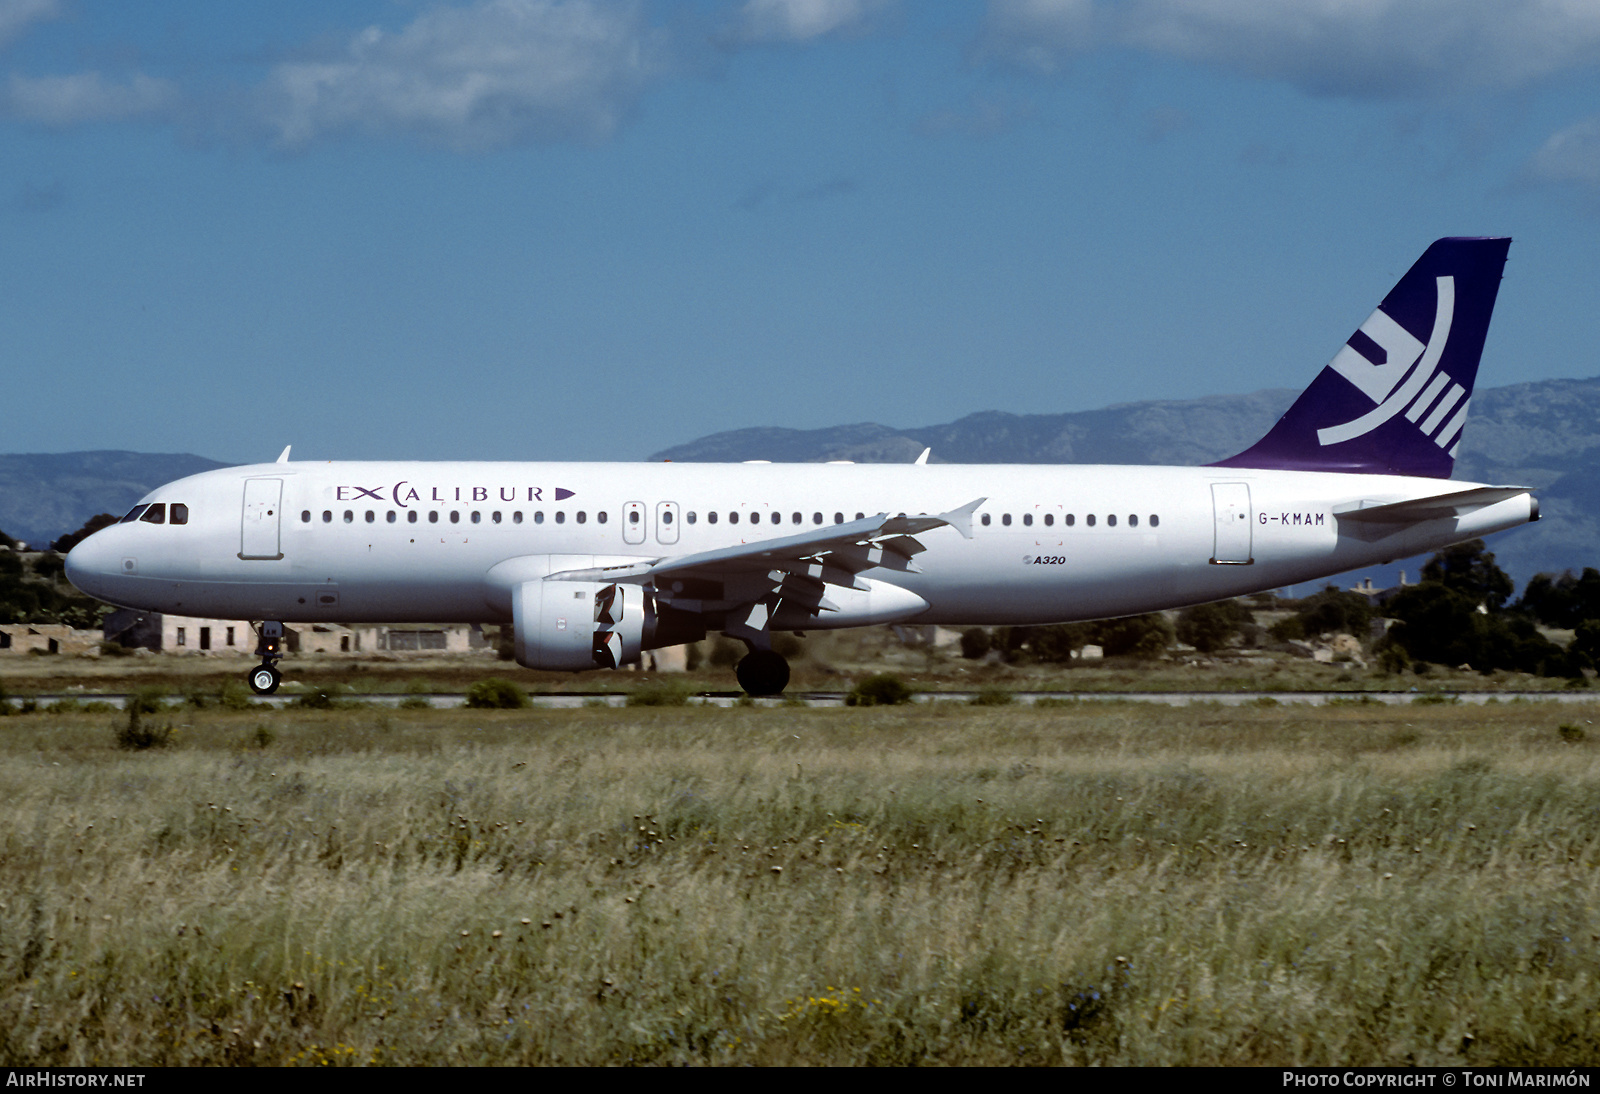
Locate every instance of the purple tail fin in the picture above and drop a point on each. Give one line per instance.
(1393, 401)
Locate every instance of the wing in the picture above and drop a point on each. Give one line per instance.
(749, 583)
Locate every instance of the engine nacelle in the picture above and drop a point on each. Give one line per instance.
(577, 625)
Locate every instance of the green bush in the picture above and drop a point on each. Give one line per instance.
(146, 700)
(319, 699)
(136, 735)
(975, 643)
(416, 696)
(659, 694)
(882, 690)
(236, 695)
(496, 693)
(992, 696)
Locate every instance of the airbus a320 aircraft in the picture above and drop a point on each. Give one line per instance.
(591, 564)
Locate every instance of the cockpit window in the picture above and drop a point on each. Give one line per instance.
(134, 513)
(156, 514)
(180, 513)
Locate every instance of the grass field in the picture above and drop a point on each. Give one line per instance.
(1104, 883)
(825, 661)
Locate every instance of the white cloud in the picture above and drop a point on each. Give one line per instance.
(803, 20)
(1037, 34)
(1344, 47)
(491, 73)
(1570, 156)
(17, 15)
(84, 97)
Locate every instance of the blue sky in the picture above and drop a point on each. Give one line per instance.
(529, 229)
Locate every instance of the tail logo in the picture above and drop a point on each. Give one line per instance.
(1378, 360)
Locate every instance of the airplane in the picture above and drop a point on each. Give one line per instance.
(591, 564)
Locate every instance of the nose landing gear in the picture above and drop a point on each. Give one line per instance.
(265, 677)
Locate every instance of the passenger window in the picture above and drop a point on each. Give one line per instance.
(1089, 520)
(1155, 521)
(1111, 520)
(633, 516)
(156, 514)
(689, 516)
(777, 518)
(371, 516)
(796, 519)
(838, 518)
(1027, 520)
(711, 517)
(1071, 520)
(495, 516)
(1049, 519)
(389, 516)
(516, 518)
(600, 517)
(133, 514)
(327, 516)
(986, 520)
(582, 516)
(349, 516)
(1005, 518)
(455, 517)
(861, 516)
(733, 518)
(433, 516)
(538, 516)
(561, 517)
(411, 517)
(305, 516)
(666, 516)
(1133, 520)
(180, 513)
(477, 517)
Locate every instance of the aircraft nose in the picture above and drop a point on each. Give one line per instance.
(95, 563)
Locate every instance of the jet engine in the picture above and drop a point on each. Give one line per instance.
(577, 625)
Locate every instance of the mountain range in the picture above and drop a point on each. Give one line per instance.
(1544, 434)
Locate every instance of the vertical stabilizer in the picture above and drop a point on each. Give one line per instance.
(1394, 399)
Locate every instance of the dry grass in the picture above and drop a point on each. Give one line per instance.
(1104, 883)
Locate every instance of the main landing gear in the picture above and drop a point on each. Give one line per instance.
(762, 672)
(265, 677)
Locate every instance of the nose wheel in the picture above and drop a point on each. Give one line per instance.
(264, 679)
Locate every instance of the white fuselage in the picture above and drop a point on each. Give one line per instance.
(396, 542)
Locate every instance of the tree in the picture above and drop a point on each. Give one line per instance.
(975, 643)
(1141, 636)
(1468, 569)
(1563, 601)
(1210, 627)
(1442, 625)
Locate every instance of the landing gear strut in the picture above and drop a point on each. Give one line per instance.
(763, 672)
(265, 677)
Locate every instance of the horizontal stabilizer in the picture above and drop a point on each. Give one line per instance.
(1453, 504)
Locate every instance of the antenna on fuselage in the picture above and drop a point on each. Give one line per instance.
(283, 457)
